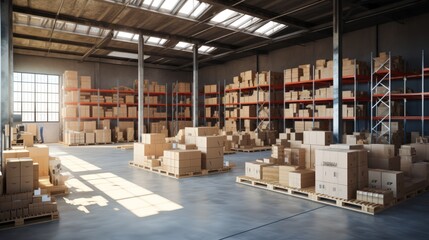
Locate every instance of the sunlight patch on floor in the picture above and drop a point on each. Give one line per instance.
(134, 198)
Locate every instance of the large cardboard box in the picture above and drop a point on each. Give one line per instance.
(254, 169)
(210, 141)
(90, 138)
(270, 173)
(301, 178)
(142, 149)
(420, 170)
(284, 171)
(153, 138)
(394, 181)
(40, 154)
(294, 156)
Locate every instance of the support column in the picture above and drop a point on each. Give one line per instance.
(195, 114)
(6, 67)
(140, 87)
(337, 70)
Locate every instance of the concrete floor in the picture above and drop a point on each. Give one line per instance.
(120, 202)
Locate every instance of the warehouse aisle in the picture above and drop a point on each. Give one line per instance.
(109, 197)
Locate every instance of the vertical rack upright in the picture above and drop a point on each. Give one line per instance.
(381, 79)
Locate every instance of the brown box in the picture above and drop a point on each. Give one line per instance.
(40, 154)
(13, 185)
(254, 169)
(210, 141)
(394, 181)
(301, 178)
(284, 171)
(270, 173)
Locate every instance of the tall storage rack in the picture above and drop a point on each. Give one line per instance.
(177, 107)
(218, 106)
(160, 104)
(418, 96)
(354, 81)
(104, 105)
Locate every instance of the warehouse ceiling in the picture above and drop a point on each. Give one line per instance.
(108, 30)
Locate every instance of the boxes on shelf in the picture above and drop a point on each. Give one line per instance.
(103, 136)
(85, 82)
(70, 79)
(69, 111)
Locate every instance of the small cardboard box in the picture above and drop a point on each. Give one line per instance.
(301, 178)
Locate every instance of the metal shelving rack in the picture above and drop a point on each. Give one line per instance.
(158, 105)
(381, 78)
(314, 84)
(176, 107)
(261, 104)
(217, 106)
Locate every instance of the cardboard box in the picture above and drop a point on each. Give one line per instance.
(210, 141)
(40, 154)
(301, 178)
(254, 169)
(13, 185)
(394, 181)
(284, 171)
(270, 173)
(90, 138)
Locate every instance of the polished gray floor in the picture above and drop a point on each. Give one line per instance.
(210, 207)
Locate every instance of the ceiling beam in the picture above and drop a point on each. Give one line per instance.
(89, 45)
(259, 12)
(62, 55)
(118, 27)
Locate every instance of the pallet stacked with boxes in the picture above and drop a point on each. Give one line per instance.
(199, 151)
(20, 196)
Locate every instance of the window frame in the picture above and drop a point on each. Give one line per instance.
(36, 94)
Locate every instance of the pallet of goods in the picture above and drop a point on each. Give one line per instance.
(199, 152)
(362, 178)
(24, 196)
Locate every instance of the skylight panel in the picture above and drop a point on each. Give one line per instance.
(136, 37)
(153, 40)
(124, 35)
(223, 16)
(270, 28)
(125, 55)
(82, 28)
(94, 31)
(188, 7)
(200, 9)
(206, 49)
(183, 45)
(169, 5)
(156, 3)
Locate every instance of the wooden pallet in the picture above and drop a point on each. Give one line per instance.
(413, 193)
(29, 220)
(310, 194)
(161, 170)
(254, 149)
(228, 152)
(125, 147)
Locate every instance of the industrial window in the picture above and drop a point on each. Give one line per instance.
(36, 97)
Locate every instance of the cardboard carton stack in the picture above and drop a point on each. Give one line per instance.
(382, 156)
(182, 87)
(210, 88)
(313, 140)
(301, 73)
(408, 157)
(397, 63)
(376, 196)
(85, 82)
(103, 136)
(210, 145)
(182, 161)
(70, 79)
(255, 169)
(341, 170)
(152, 147)
(387, 180)
(324, 68)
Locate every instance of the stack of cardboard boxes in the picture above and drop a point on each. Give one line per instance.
(341, 170)
(152, 147)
